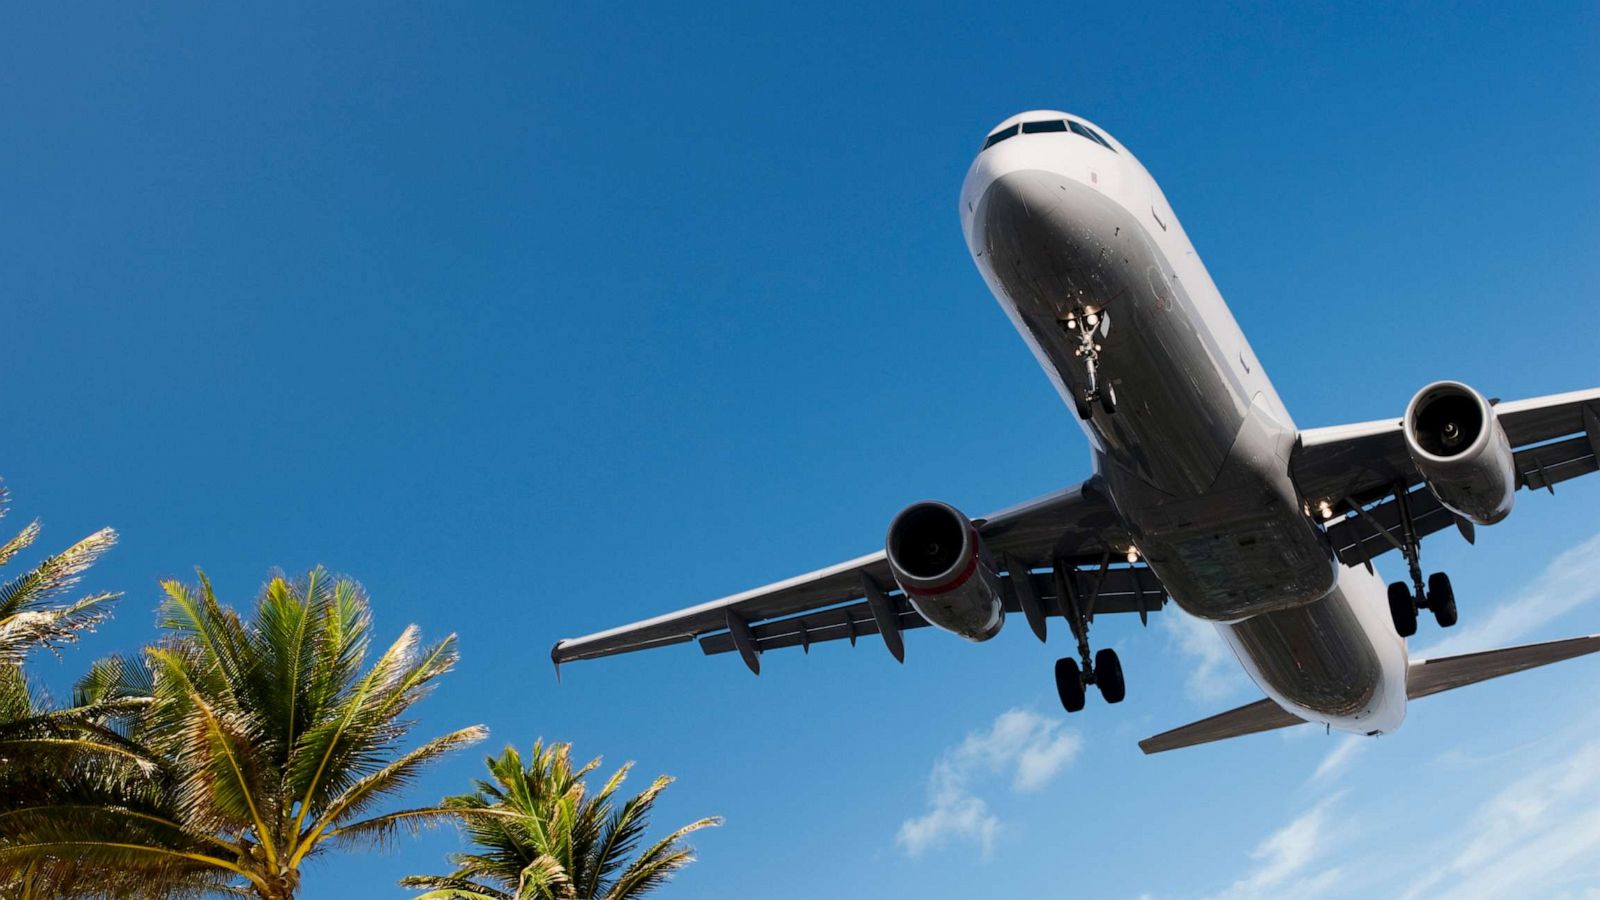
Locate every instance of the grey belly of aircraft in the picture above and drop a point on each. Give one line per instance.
(1193, 460)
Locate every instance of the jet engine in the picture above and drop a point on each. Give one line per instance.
(1456, 442)
(939, 561)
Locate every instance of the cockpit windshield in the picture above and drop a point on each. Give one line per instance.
(999, 136)
(1046, 126)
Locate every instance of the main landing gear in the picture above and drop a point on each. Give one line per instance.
(1103, 669)
(1088, 328)
(1406, 599)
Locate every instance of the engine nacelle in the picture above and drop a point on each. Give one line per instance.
(939, 561)
(1457, 443)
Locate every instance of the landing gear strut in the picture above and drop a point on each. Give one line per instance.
(1088, 328)
(1103, 669)
(1406, 599)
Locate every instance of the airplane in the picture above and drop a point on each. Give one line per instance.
(1203, 490)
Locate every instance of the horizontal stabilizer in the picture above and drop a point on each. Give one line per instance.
(1430, 676)
(1424, 678)
(1262, 715)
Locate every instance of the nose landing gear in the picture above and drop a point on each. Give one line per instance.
(1087, 328)
(1104, 669)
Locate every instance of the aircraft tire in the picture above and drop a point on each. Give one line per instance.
(1069, 684)
(1080, 401)
(1402, 609)
(1108, 399)
(1108, 676)
(1442, 599)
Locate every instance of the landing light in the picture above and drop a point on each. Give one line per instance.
(1092, 319)
(1326, 509)
(1072, 324)
(1133, 554)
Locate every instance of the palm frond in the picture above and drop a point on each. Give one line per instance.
(54, 574)
(22, 541)
(541, 833)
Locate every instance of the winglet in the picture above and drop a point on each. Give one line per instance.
(555, 659)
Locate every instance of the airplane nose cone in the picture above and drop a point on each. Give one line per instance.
(1018, 200)
(1041, 235)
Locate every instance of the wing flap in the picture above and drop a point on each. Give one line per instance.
(1123, 590)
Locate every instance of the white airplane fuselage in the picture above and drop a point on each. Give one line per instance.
(1073, 235)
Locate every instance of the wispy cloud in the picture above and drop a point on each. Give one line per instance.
(1527, 837)
(1285, 860)
(1570, 580)
(1216, 674)
(1339, 758)
(1535, 832)
(1021, 746)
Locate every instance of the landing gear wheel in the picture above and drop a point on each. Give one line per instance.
(1108, 399)
(1081, 400)
(1442, 599)
(1069, 684)
(1108, 676)
(1403, 609)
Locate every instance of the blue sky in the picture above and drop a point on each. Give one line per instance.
(540, 319)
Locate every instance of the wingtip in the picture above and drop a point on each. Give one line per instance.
(555, 659)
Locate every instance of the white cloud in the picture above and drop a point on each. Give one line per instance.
(1526, 839)
(1216, 674)
(1339, 758)
(1025, 744)
(1282, 860)
(1533, 832)
(1570, 580)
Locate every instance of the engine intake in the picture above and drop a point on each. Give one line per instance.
(1456, 442)
(940, 562)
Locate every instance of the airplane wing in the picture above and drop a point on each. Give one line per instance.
(1359, 469)
(1059, 532)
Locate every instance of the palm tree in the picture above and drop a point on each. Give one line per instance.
(544, 837)
(28, 617)
(264, 743)
(37, 739)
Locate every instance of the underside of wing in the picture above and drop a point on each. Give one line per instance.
(1364, 482)
(1073, 532)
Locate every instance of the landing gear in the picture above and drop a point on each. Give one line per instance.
(1088, 328)
(1442, 599)
(1069, 684)
(1108, 676)
(1406, 599)
(1103, 669)
(1072, 682)
(1402, 609)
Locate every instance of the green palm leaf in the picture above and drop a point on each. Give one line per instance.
(539, 833)
(235, 750)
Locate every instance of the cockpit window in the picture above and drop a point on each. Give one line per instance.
(999, 136)
(1091, 134)
(1037, 127)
